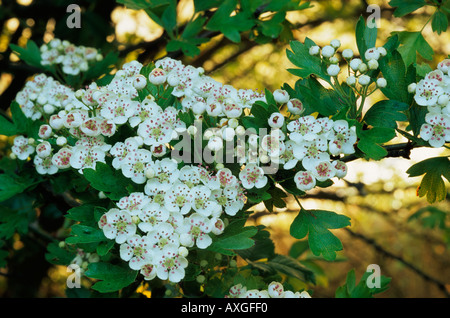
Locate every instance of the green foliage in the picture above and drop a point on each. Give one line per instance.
(351, 289)
(432, 185)
(316, 224)
(111, 277)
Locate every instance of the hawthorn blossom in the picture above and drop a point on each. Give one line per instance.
(195, 230)
(170, 264)
(436, 130)
(252, 176)
(178, 198)
(134, 164)
(61, 159)
(342, 138)
(136, 251)
(155, 130)
(134, 202)
(118, 225)
(151, 215)
(165, 174)
(304, 180)
(44, 165)
(21, 148)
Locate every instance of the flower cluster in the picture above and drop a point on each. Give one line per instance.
(181, 204)
(71, 58)
(358, 74)
(180, 209)
(274, 290)
(433, 92)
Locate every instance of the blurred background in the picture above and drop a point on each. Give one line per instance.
(390, 225)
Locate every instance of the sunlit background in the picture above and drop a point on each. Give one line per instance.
(379, 197)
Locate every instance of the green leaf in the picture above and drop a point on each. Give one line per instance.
(386, 113)
(430, 217)
(439, 23)
(361, 290)
(228, 24)
(235, 237)
(30, 54)
(404, 7)
(316, 224)
(414, 43)
(365, 37)
(10, 185)
(394, 71)
(85, 234)
(105, 179)
(7, 128)
(113, 277)
(307, 64)
(12, 221)
(57, 255)
(263, 247)
(370, 141)
(432, 185)
(102, 67)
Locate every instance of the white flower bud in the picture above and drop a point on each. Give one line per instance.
(49, 109)
(233, 122)
(351, 80)
(364, 80)
(335, 43)
(61, 141)
(264, 159)
(373, 64)
(276, 120)
(240, 130)
(215, 143)
(149, 173)
(295, 106)
(281, 96)
(328, 51)
(372, 54)
(382, 51)
(314, 50)
(333, 70)
(355, 63)
(228, 134)
(334, 60)
(139, 82)
(101, 195)
(183, 251)
(381, 82)
(362, 67)
(347, 54)
(412, 88)
(208, 134)
(192, 130)
(443, 100)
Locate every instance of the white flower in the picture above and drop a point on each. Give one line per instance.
(276, 290)
(436, 130)
(170, 264)
(163, 233)
(295, 106)
(139, 82)
(281, 96)
(157, 76)
(276, 120)
(61, 159)
(44, 165)
(304, 128)
(194, 231)
(304, 180)
(215, 143)
(155, 130)
(84, 157)
(21, 148)
(252, 176)
(136, 251)
(340, 167)
(45, 131)
(427, 92)
(178, 198)
(118, 225)
(151, 215)
(148, 271)
(444, 66)
(44, 149)
(118, 109)
(342, 138)
(134, 202)
(323, 171)
(201, 202)
(166, 173)
(134, 165)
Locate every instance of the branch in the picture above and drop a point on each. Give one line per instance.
(402, 150)
(418, 271)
